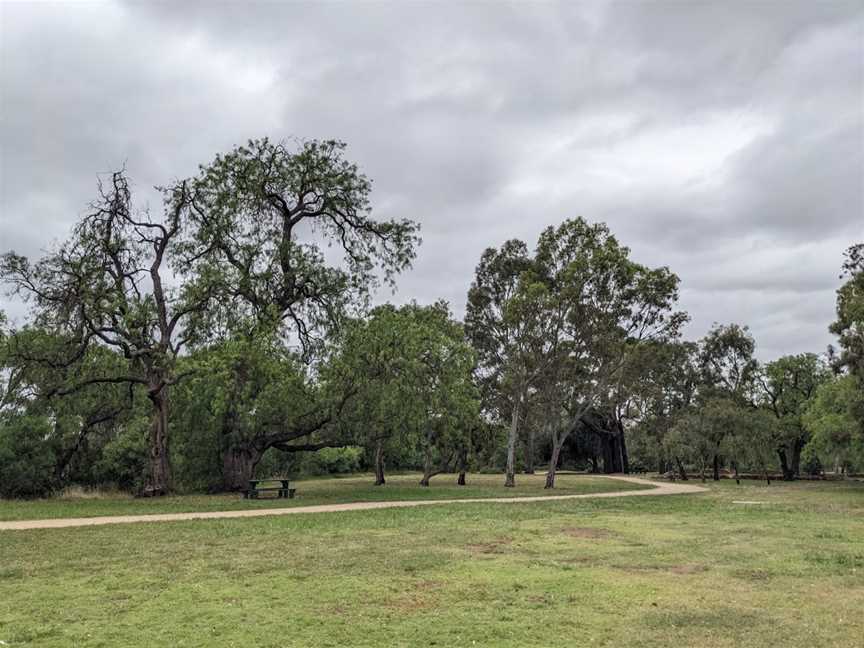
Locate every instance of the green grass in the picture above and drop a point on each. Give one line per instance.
(682, 570)
(312, 491)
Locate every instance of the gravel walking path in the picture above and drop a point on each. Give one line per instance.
(658, 489)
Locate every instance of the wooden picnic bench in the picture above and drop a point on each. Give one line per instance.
(284, 489)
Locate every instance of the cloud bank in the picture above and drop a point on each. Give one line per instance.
(724, 140)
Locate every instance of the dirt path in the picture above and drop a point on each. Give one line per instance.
(659, 489)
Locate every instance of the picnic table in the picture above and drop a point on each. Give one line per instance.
(284, 489)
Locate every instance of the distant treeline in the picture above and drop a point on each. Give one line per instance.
(220, 340)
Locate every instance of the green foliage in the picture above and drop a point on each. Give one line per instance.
(269, 350)
(661, 381)
(849, 325)
(554, 332)
(123, 462)
(260, 215)
(334, 461)
(411, 372)
(26, 460)
(104, 288)
(837, 438)
(787, 386)
(246, 392)
(728, 367)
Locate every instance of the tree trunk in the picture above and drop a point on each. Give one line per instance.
(681, 472)
(238, 467)
(463, 466)
(379, 464)
(158, 481)
(608, 444)
(797, 447)
(784, 465)
(625, 460)
(716, 468)
(617, 446)
(428, 471)
(510, 478)
(557, 444)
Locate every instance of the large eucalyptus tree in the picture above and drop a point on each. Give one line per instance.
(509, 331)
(562, 322)
(605, 306)
(285, 237)
(108, 284)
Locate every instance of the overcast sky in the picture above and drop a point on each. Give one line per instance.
(725, 140)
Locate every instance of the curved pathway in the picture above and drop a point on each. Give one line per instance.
(673, 488)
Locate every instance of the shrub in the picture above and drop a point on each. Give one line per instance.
(26, 457)
(124, 458)
(331, 461)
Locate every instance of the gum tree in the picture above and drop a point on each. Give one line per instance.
(849, 328)
(262, 219)
(603, 307)
(503, 331)
(411, 369)
(107, 285)
(788, 384)
(728, 375)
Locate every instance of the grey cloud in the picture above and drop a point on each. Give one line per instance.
(724, 140)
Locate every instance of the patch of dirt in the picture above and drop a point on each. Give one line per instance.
(587, 532)
(497, 546)
(578, 560)
(688, 569)
(418, 595)
(409, 604)
(674, 569)
(337, 610)
(753, 574)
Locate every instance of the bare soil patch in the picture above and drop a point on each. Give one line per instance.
(587, 533)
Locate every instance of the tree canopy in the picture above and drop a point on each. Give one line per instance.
(239, 329)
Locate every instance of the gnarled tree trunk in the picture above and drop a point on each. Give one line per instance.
(238, 467)
(158, 480)
(716, 468)
(784, 465)
(428, 470)
(463, 467)
(681, 472)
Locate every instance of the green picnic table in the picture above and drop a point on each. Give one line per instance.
(284, 489)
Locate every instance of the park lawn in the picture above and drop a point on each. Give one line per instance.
(682, 570)
(359, 488)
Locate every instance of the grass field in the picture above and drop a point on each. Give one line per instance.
(311, 491)
(683, 570)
